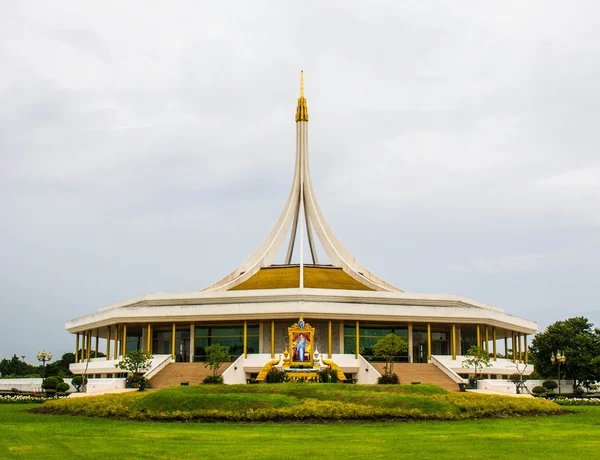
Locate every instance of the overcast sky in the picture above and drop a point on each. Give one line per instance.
(148, 147)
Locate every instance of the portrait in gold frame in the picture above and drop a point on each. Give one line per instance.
(301, 340)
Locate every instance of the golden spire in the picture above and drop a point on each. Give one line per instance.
(302, 110)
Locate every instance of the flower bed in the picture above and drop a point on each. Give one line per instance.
(21, 399)
(578, 401)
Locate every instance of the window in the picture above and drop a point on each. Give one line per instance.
(369, 336)
(229, 336)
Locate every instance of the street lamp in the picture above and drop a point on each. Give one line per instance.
(44, 356)
(558, 359)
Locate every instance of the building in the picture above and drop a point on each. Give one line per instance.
(251, 308)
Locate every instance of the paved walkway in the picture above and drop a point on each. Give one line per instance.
(102, 392)
(490, 392)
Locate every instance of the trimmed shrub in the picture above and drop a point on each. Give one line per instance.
(275, 376)
(549, 385)
(51, 382)
(388, 379)
(62, 387)
(539, 390)
(213, 379)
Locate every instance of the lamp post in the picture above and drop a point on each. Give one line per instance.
(558, 359)
(44, 356)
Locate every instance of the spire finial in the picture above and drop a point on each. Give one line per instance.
(302, 110)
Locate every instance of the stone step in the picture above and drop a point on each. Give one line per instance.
(175, 373)
(424, 373)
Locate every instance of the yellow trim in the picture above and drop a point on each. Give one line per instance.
(245, 339)
(77, 347)
(124, 343)
(453, 341)
(357, 339)
(478, 336)
(173, 335)
(329, 342)
(494, 343)
(428, 341)
(149, 339)
(272, 339)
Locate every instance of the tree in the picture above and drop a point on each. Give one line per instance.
(477, 358)
(216, 354)
(79, 381)
(388, 347)
(136, 362)
(578, 340)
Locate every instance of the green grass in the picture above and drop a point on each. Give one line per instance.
(31, 436)
(299, 402)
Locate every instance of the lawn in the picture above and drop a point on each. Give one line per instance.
(32, 436)
(296, 402)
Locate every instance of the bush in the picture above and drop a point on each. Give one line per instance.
(388, 379)
(539, 390)
(213, 379)
(275, 376)
(62, 387)
(51, 382)
(549, 385)
(328, 376)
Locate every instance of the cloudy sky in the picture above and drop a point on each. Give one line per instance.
(148, 147)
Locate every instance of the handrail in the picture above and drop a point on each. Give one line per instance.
(446, 370)
(159, 367)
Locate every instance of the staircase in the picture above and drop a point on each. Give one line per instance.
(175, 373)
(424, 373)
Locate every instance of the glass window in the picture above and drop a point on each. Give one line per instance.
(229, 336)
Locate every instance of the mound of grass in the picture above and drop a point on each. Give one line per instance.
(287, 402)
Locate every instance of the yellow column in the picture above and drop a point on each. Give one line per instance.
(357, 340)
(245, 339)
(453, 341)
(149, 339)
(192, 342)
(77, 347)
(519, 336)
(428, 342)
(478, 336)
(107, 351)
(116, 343)
(487, 340)
(272, 339)
(124, 342)
(83, 346)
(329, 342)
(494, 344)
(505, 346)
(173, 335)
(89, 345)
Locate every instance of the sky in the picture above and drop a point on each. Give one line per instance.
(148, 147)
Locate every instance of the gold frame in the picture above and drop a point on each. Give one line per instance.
(306, 330)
